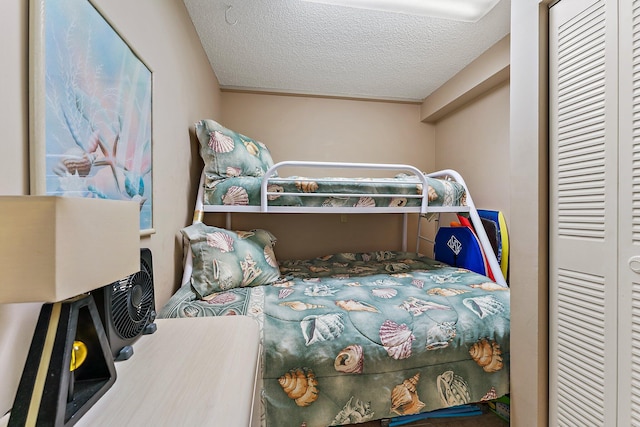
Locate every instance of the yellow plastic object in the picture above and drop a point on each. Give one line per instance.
(504, 262)
(78, 355)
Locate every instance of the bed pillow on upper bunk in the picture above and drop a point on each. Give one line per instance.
(224, 259)
(227, 153)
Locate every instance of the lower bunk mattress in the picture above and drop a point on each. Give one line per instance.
(354, 337)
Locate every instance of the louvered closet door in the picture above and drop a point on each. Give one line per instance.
(629, 215)
(583, 213)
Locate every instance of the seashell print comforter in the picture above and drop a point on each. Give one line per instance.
(245, 190)
(354, 337)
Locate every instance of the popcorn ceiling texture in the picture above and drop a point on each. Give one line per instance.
(293, 46)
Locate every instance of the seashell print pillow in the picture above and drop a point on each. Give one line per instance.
(224, 259)
(227, 153)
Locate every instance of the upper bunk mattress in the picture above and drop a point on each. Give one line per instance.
(400, 191)
(235, 166)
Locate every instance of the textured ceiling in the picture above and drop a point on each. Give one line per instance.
(293, 46)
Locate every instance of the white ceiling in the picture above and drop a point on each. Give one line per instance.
(299, 47)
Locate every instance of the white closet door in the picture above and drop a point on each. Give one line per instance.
(629, 215)
(583, 213)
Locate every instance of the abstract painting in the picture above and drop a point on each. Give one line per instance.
(90, 113)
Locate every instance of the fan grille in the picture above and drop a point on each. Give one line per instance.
(132, 303)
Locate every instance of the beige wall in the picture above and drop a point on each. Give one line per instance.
(471, 117)
(184, 89)
(487, 71)
(529, 212)
(325, 129)
(474, 140)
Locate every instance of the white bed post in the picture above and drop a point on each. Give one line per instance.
(228, 221)
(480, 232)
(405, 220)
(198, 212)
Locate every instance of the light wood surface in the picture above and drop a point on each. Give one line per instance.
(190, 372)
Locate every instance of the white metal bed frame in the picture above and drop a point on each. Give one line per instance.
(423, 209)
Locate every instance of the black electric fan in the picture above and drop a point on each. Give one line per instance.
(127, 308)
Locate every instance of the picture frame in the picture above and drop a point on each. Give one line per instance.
(90, 121)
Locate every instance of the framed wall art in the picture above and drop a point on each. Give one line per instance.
(90, 108)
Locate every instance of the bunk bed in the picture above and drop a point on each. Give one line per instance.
(346, 337)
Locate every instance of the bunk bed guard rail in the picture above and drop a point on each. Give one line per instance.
(417, 173)
(423, 209)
